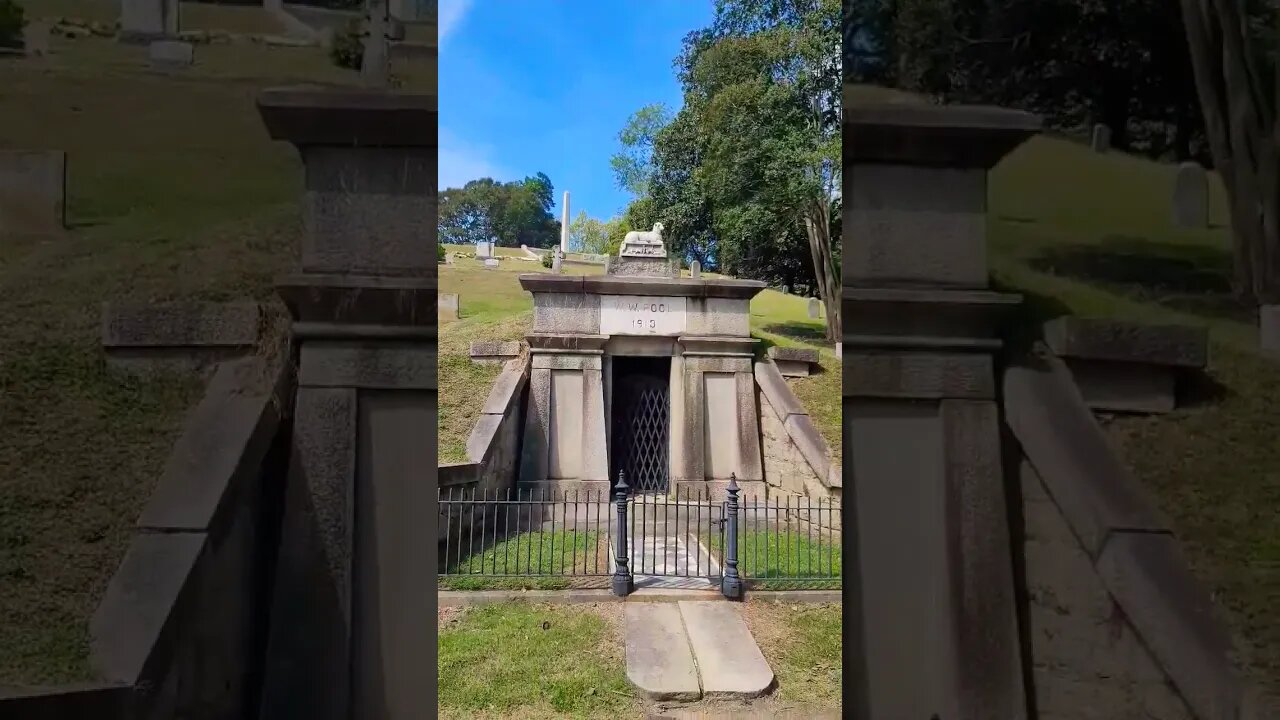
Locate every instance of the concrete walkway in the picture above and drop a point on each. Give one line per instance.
(692, 649)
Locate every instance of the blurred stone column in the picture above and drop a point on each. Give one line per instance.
(349, 633)
(931, 603)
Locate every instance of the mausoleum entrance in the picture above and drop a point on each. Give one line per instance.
(642, 371)
(640, 421)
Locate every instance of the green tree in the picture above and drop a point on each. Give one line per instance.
(588, 235)
(512, 214)
(633, 164)
(750, 167)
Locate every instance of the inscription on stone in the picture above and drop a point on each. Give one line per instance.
(641, 315)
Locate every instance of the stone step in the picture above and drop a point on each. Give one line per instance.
(659, 660)
(730, 663)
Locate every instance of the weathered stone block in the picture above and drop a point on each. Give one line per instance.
(1100, 339)
(384, 196)
(494, 351)
(171, 54)
(1127, 367)
(1125, 387)
(793, 362)
(938, 213)
(33, 192)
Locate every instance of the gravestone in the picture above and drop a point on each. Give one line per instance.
(491, 263)
(484, 249)
(815, 308)
(35, 39)
(557, 261)
(1191, 197)
(1101, 141)
(171, 54)
(33, 192)
(695, 269)
(145, 20)
(447, 306)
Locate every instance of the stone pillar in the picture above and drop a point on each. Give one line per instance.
(564, 225)
(715, 427)
(932, 601)
(348, 637)
(565, 430)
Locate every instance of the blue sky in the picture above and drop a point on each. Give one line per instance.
(545, 85)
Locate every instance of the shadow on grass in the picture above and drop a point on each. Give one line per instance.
(1194, 279)
(799, 331)
(1200, 389)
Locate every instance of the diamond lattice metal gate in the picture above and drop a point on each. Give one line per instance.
(641, 409)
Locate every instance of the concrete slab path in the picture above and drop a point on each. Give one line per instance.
(730, 663)
(659, 661)
(691, 649)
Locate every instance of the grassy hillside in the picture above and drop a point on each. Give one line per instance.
(175, 192)
(494, 307)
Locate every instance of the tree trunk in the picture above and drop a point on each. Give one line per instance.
(1241, 129)
(817, 227)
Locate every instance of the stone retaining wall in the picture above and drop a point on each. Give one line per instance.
(181, 628)
(1118, 626)
(797, 460)
(493, 451)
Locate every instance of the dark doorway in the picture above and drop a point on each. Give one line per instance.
(641, 409)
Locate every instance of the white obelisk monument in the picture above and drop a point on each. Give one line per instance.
(564, 225)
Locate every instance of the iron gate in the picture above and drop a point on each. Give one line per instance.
(641, 409)
(676, 541)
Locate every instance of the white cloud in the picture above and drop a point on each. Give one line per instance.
(449, 15)
(462, 161)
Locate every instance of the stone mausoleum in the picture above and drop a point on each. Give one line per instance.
(641, 371)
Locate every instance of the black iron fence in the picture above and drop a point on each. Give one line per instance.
(539, 539)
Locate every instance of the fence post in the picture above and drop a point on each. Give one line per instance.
(623, 583)
(731, 584)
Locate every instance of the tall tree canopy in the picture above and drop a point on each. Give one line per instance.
(512, 213)
(746, 176)
(1122, 63)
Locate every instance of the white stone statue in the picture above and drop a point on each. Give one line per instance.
(644, 243)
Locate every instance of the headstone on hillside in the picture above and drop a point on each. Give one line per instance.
(1191, 197)
(145, 20)
(1101, 141)
(171, 54)
(557, 261)
(447, 305)
(33, 192)
(491, 263)
(695, 269)
(815, 308)
(484, 249)
(35, 38)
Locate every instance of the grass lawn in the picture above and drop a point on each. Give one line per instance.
(552, 560)
(515, 660)
(493, 306)
(783, 560)
(189, 199)
(493, 662)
